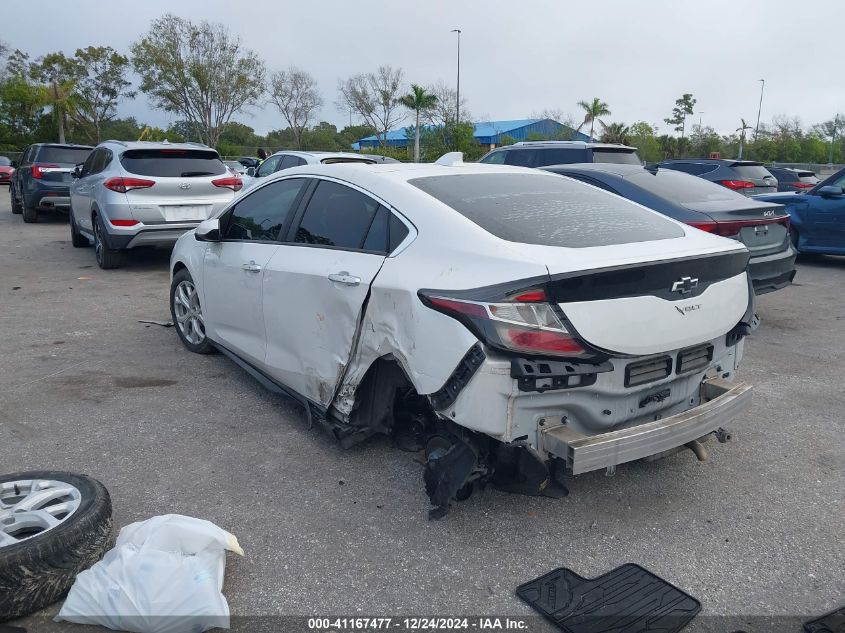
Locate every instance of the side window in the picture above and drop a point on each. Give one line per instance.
(377, 236)
(260, 215)
(101, 159)
(268, 166)
(27, 156)
(520, 157)
(496, 158)
(398, 232)
(338, 216)
(287, 161)
(90, 162)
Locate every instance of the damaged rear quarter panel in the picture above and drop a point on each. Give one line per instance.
(428, 345)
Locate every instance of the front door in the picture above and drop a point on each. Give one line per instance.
(234, 267)
(827, 219)
(315, 287)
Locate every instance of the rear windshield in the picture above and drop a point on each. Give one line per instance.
(172, 163)
(618, 156)
(680, 187)
(750, 171)
(346, 159)
(69, 155)
(5, 162)
(808, 176)
(547, 210)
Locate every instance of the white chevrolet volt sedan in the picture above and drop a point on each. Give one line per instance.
(517, 326)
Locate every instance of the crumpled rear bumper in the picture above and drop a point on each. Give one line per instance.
(722, 401)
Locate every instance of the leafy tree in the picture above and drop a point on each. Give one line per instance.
(239, 134)
(593, 111)
(322, 136)
(21, 111)
(199, 71)
(374, 96)
(99, 85)
(615, 133)
(683, 107)
(829, 129)
(642, 135)
(127, 129)
(58, 76)
(351, 134)
(296, 96)
(419, 100)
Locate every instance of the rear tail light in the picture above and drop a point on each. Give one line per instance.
(230, 182)
(736, 185)
(732, 228)
(122, 185)
(123, 222)
(38, 171)
(524, 323)
(800, 185)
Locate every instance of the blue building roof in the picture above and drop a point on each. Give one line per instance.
(486, 132)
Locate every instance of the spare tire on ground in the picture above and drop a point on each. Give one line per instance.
(53, 525)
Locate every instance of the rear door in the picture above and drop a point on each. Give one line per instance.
(179, 184)
(316, 285)
(233, 269)
(827, 218)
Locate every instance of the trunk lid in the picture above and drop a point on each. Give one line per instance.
(757, 175)
(182, 189)
(762, 227)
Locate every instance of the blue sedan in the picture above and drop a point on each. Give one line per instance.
(817, 216)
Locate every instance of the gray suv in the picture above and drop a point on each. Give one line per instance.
(130, 194)
(747, 177)
(545, 153)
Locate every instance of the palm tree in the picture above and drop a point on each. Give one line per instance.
(593, 111)
(741, 131)
(615, 133)
(419, 100)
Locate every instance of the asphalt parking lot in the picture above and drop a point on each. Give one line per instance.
(757, 530)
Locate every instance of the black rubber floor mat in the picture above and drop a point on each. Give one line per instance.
(833, 622)
(628, 599)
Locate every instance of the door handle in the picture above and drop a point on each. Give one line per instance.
(343, 277)
(251, 267)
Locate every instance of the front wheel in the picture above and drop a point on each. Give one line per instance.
(187, 315)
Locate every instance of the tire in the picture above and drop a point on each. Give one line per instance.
(106, 257)
(185, 312)
(16, 206)
(39, 570)
(30, 214)
(76, 238)
(793, 236)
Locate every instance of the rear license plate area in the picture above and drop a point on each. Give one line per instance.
(185, 213)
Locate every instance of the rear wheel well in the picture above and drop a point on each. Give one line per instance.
(384, 385)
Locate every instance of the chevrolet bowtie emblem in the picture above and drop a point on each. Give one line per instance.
(685, 285)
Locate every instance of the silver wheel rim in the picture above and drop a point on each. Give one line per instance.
(186, 306)
(98, 241)
(30, 507)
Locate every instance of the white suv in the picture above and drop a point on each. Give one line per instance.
(130, 194)
(517, 323)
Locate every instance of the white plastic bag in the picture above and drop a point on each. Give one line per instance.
(164, 575)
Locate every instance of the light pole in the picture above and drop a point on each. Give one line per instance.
(699, 120)
(458, 91)
(759, 108)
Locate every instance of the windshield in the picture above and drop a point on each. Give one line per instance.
(172, 163)
(618, 156)
(546, 210)
(68, 155)
(750, 172)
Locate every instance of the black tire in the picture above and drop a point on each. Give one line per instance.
(106, 257)
(30, 214)
(793, 236)
(76, 238)
(16, 206)
(40, 570)
(204, 347)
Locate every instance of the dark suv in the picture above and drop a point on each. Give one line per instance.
(42, 180)
(544, 153)
(794, 179)
(747, 177)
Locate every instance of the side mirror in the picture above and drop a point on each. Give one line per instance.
(830, 191)
(77, 171)
(250, 171)
(208, 231)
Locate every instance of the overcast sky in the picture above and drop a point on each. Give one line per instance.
(517, 58)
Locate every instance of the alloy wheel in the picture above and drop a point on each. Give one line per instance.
(29, 508)
(186, 306)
